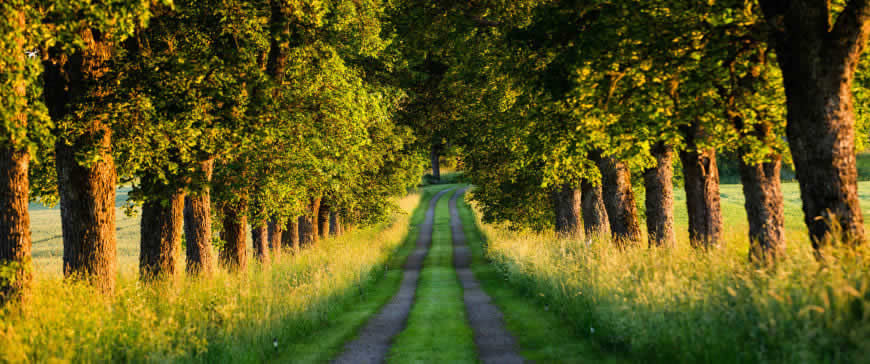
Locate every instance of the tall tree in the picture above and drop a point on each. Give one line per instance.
(85, 38)
(566, 202)
(197, 225)
(18, 83)
(595, 220)
(659, 184)
(818, 60)
(702, 189)
(619, 200)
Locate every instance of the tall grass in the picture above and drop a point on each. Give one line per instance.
(226, 318)
(689, 306)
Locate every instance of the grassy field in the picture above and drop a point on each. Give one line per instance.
(48, 243)
(227, 318)
(688, 306)
(734, 213)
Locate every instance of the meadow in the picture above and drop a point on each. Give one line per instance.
(226, 318)
(694, 306)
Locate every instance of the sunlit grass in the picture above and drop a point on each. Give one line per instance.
(541, 334)
(690, 306)
(226, 318)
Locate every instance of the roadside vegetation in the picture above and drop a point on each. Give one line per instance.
(542, 333)
(226, 318)
(685, 305)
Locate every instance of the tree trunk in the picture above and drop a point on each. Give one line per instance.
(15, 240)
(197, 225)
(660, 197)
(818, 61)
(595, 219)
(436, 162)
(276, 234)
(764, 209)
(567, 211)
(702, 191)
(763, 198)
(290, 239)
(15, 243)
(820, 129)
(335, 224)
(233, 256)
(323, 218)
(87, 206)
(279, 31)
(161, 228)
(619, 200)
(260, 237)
(87, 192)
(308, 229)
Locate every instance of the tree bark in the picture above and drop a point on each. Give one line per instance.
(763, 198)
(619, 200)
(233, 256)
(568, 214)
(87, 205)
(161, 228)
(323, 218)
(276, 234)
(595, 220)
(335, 228)
(15, 242)
(818, 61)
(308, 229)
(290, 239)
(764, 209)
(260, 237)
(197, 225)
(436, 162)
(279, 45)
(660, 197)
(87, 192)
(702, 191)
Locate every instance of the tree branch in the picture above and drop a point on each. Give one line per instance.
(849, 35)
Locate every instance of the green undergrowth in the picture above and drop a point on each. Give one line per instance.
(225, 318)
(682, 305)
(542, 335)
(437, 330)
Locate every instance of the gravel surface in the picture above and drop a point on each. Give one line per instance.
(494, 343)
(374, 340)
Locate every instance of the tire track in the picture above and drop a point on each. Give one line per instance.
(374, 340)
(494, 343)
